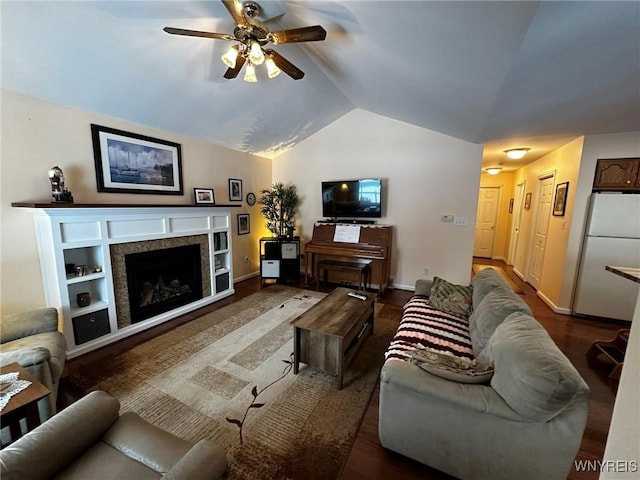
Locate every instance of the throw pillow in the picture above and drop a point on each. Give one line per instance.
(451, 368)
(451, 298)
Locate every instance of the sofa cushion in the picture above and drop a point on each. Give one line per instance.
(424, 325)
(457, 369)
(531, 374)
(497, 305)
(485, 281)
(451, 298)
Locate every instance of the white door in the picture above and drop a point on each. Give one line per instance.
(543, 211)
(486, 221)
(515, 224)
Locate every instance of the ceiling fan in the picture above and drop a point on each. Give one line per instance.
(253, 36)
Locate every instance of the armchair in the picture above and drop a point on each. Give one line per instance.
(32, 339)
(90, 439)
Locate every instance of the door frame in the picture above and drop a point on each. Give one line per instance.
(497, 216)
(516, 220)
(534, 220)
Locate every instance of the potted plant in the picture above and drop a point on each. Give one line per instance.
(279, 205)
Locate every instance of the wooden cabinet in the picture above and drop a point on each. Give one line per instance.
(280, 258)
(617, 174)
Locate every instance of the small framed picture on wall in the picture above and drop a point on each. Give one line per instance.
(235, 189)
(560, 202)
(527, 201)
(243, 224)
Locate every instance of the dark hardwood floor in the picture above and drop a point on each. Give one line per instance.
(368, 460)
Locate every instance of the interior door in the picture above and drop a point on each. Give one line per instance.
(486, 221)
(515, 224)
(543, 212)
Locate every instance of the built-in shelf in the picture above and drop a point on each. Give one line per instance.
(89, 236)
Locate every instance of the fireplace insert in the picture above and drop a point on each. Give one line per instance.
(162, 280)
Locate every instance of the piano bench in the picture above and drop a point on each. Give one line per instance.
(360, 266)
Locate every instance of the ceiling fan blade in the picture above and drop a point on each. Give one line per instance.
(285, 65)
(233, 72)
(196, 33)
(303, 34)
(236, 11)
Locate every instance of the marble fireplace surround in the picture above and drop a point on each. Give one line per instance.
(103, 229)
(119, 271)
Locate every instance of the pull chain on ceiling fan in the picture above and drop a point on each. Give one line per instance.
(252, 36)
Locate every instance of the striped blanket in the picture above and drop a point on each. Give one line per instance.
(424, 325)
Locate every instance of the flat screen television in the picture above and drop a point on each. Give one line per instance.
(352, 198)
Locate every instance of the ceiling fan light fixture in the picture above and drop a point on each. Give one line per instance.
(256, 54)
(516, 153)
(493, 170)
(229, 58)
(272, 69)
(250, 74)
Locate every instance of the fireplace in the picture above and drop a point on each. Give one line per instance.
(164, 279)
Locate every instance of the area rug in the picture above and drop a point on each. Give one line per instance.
(207, 378)
(477, 267)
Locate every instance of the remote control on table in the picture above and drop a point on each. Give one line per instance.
(357, 295)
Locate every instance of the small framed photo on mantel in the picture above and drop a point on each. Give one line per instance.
(204, 196)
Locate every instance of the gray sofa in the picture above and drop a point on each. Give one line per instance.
(91, 440)
(526, 423)
(32, 340)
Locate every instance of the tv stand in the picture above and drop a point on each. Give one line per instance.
(355, 221)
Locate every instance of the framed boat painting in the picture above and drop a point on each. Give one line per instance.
(131, 163)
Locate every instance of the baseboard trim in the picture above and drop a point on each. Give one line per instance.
(246, 277)
(520, 275)
(553, 306)
(502, 259)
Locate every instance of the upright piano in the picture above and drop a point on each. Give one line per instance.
(374, 243)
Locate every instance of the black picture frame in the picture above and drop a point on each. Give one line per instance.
(204, 196)
(527, 201)
(235, 189)
(244, 224)
(131, 163)
(511, 205)
(560, 202)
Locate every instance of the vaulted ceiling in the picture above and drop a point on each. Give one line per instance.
(503, 74)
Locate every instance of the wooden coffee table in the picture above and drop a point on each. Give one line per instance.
(329, 334)
(23, 404)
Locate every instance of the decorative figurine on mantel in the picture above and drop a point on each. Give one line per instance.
(58, 191)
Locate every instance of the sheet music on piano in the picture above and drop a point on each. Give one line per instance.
(347, 233)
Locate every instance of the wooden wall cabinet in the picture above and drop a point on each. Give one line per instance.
(617, 174)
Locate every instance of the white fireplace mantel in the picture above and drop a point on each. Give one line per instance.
(82, 234)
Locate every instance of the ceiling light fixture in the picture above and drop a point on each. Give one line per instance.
(250, 74)
(230, 57)
(256, 56)
(493, 170)
(272, 69)
(516, 153)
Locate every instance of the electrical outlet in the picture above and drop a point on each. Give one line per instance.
(460, 222)
(425, 270)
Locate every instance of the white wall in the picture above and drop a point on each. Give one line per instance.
(36, 135)
(426, 174)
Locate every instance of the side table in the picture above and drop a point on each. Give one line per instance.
(23, 404)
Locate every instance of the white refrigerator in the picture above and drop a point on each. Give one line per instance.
(612, 238)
